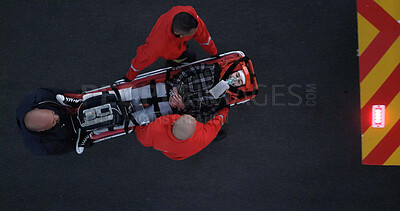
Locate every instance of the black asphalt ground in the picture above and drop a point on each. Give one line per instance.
(296, 147)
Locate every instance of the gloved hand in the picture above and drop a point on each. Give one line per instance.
(228, 106)
(216, 56)
(131, 74)
(126, 79)
(121, 81)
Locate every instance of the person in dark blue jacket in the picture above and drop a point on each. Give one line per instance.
(46, 126)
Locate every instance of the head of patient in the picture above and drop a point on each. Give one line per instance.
(237, 79)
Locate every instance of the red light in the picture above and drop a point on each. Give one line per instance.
(378, 116)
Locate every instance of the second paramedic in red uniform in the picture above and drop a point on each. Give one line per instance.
(179, 137)
(168, 39)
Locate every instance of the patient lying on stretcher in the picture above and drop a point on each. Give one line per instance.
(193, 92)
(196, 90)
(199, 90)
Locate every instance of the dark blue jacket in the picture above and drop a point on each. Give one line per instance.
(58, 140)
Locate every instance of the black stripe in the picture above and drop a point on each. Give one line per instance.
(153, 91)
(217, 74)
(116, 92)
(252, 76)
(167, 82)
(133, 119)
(125, 113)
(230, 69)
(242, 94)
(154, 100)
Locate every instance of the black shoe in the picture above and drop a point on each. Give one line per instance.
(185, 58)
(84, 141)
(69, 101)
(171, 63)
(221, 135)
(191, 56)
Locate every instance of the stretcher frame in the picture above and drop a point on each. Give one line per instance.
(158, 74)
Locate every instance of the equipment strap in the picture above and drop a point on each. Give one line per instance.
(167, 83)
(232, 67)
(168, 75)
(126, 124)
(252, 76)
(241, 93)
(153, 91)
(116, 91)
(217, 74)
(125, 113)
(154, 100)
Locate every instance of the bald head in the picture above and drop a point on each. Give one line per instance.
(39, 120)
(184, 127)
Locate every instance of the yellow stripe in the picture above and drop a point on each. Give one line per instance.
(391, 6)
(373, 136)
(380, 72)
(366, 33)
(394, 159)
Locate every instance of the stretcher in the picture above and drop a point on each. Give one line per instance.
(228, 62)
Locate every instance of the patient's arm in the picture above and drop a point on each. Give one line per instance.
(205, 107)
(176, 102)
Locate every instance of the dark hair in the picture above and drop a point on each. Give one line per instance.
(184, 22)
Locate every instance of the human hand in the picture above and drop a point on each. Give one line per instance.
(172, 103)
(176, 101)
(125, 79)
(175, 90)
(216, 56)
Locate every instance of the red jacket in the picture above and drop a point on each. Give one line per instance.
(158, 135)
(162, 42)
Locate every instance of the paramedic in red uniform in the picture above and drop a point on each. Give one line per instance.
(179, 137)
(168, 39)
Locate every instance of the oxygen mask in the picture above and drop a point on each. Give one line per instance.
(232, 80)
